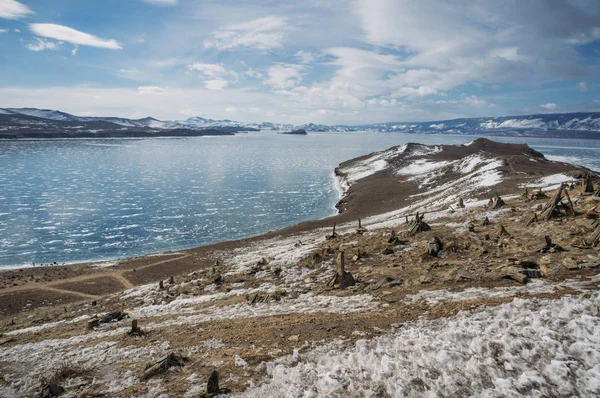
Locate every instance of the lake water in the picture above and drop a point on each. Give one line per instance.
(79, 200)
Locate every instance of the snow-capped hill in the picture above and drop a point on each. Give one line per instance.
(43, 113)
(435, 177)
(200, 122)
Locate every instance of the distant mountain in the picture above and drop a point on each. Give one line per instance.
(559, 125)
(541, 124)
(44, 123)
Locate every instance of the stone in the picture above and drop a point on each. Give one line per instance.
(434, 247)
(571, 264)
(514, 274)
(346, 280)
(388, 250)
(294, 337)
(52, 390)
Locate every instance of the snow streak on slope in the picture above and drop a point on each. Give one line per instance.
(532, 347)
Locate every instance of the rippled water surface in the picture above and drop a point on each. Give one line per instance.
(76, 200)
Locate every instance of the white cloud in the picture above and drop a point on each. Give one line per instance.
(215, 75)
(64, 33)
(549, 106)
(151, 90)
(262, 34)
(17, 30)
(581, 86)
(209, 70)
(3, 30)
(305, 57)
(10, 9)
(41, 45)
(283, 76)
(161, 2)
(216, 84)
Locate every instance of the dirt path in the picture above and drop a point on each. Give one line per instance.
(87, 286)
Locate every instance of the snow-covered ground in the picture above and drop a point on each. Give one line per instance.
(536, 348)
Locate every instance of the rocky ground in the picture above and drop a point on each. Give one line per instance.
(312, 311)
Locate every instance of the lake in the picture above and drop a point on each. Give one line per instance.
(82, 200)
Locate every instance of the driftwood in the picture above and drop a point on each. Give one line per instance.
(539, 194)
(533, 219)
(418, 225)
(554, 205)
(591, 213)
(502, 231)
(162, 365)
(595, 238)
(360, 230)
(496, 202)
(332, 234)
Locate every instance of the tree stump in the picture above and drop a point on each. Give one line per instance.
(533, 219)
(360, 230)
(502, 231)
(496, 202)
(486, 221)
(332, 234)
(418, 225)
(587, 185)
(393, 239)
(341, 279)
(461, 204)
(212, 387)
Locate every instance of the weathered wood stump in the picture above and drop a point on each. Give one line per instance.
(342, 278)
(418, 225)
(332, 234)
(162, 365)
(461, 204)
(360, 230)
(393, 239)
(595, 238)
(135, 329)
(502, 231)
(554, 205)
(533, 219)
(496, 202)
(550, 246)
(587, 185)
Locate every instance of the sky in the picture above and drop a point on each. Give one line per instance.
(321, 61)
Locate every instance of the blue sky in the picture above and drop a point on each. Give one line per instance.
(322, 61)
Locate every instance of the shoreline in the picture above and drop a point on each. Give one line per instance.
(370, 197)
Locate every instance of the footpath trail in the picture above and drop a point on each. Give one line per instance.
(87, 286)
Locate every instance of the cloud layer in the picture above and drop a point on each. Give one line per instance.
(11, 9)
(64, 33)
